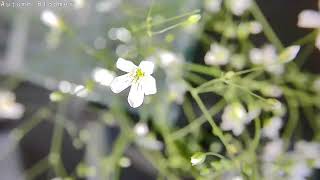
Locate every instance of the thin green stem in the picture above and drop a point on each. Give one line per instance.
(271, 35)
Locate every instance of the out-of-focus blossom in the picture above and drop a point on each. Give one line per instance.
(78, 4)
(141, 129)
(272, 91)
(138, 77)
(310, 19)
(212, 6)
(149, 142)
(217, 55)
(272, 127)
(234, 118)
(177, 90)
(103, 76)
(50, 19)
(272, 150)
(247, 28)
(238, 7)
(309, 151)
(299, 170)
(172, 64)
(9, 108)
(268, 57)
(124, 162)
(255, 27)
(80, 91)
(121, 34)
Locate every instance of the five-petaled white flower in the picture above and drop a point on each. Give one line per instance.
(311, 19)
(138, 77)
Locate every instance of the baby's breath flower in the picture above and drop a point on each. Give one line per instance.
(102, 76)
(234, 118)
(272, 150)
(217, 55)
(9, 108)
(212, 6)
(138, 77)
(238, 7)
(272, 127)
(50, 19)
(310, 19)
(141, 129)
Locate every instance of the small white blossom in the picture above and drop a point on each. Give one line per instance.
(268, 57)
(51, 19)
(234, 118)
(212, 6)
(141, 129)
(217, 55)
(310, 19)
(272, 127)
(102, 76)
(255, 27)
(9, 108)
(272, 150)
(238, 7)
(308, 151)
(272, 91)
(138, 77)
(198, 158)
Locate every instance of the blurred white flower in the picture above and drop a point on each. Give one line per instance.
(268, 57)
(212, 6)
(103, 76)
(299, 171)
(308, 151)
(272, 150)
(78, 4)
(310, 19)
(217, 55)
(149, 142)
(80, 91)
(50, 19)
(255, 27)
(234, 118)
(238, 7)
(65, 86)
(138, 77)
(141, 129)
(121, 34)
(272, 91)
(9, 108)
(198, 158)
(177, 90)
(168, 59)
(272, 127)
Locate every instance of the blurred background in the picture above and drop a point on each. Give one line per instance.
(40, 64)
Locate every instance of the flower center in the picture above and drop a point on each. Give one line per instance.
(139, 74)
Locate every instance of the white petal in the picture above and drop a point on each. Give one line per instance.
(309, 19)
(147, 67)
(120, 83)
(318, 41)
(289, 53)
(149, 85)
(125, 65)
(136, 95)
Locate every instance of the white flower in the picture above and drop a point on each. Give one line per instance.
(299, 171)
(238, 7)
(272, 150)
(217, 55)
(213, 6)
(308, 151)
(310, 19)
(102, 76)
(138, 77)
(234, 118)
(51, 19)
(255, 27)
(271, 128)
(141, 129)
(198, 158)
(9, 109)
(272, 91)
(289, 53)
